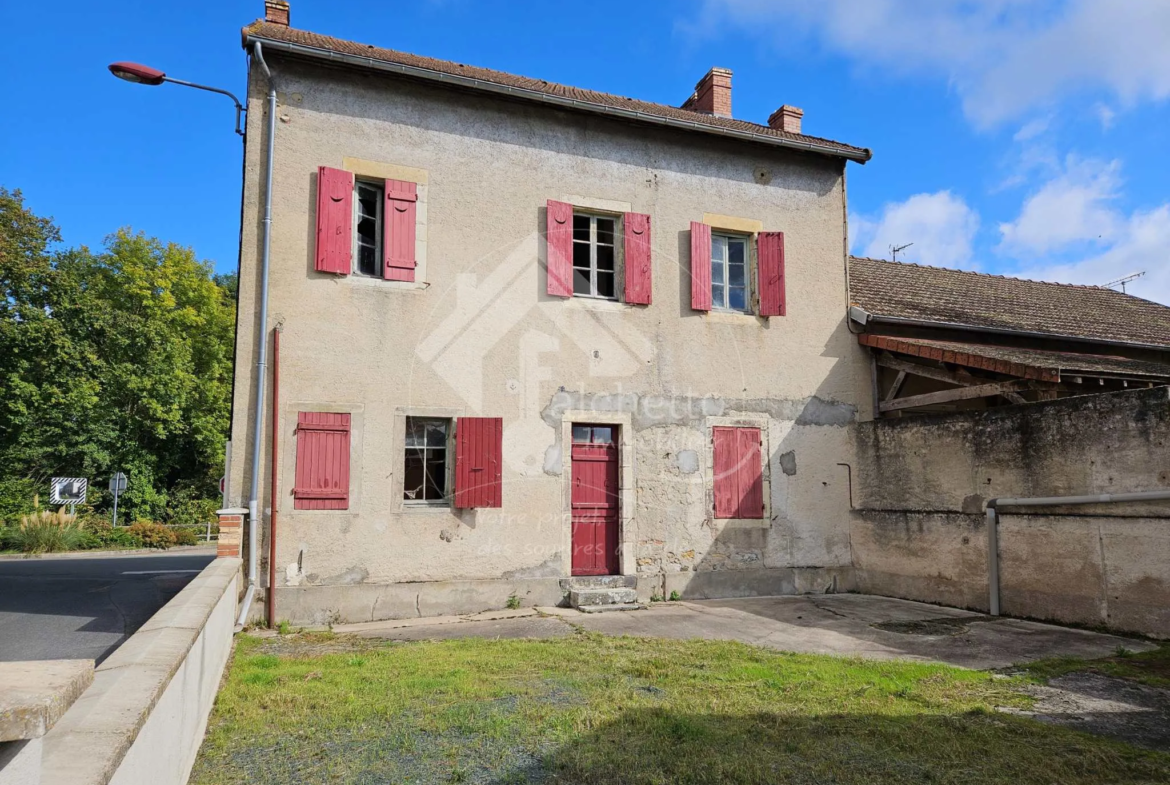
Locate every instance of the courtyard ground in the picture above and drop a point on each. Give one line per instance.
(544, 698)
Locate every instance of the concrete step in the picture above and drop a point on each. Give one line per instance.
(581, 598)
(604, 582)
(624, 606)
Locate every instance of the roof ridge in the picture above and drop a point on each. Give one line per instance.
(994, 275)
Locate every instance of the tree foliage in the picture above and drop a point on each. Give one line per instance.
(118, 360)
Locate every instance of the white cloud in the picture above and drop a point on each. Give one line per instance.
(1032, 129)
(1004, 57)
(1141, 246)
(1073, 207)
(941, 226)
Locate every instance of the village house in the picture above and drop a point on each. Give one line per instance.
(534, 340)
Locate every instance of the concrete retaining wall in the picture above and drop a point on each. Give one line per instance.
(143, 718)
(920, 533)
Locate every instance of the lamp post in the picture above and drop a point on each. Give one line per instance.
(144, 74)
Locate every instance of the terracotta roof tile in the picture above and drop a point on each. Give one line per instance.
(935, 294)
(272, 32)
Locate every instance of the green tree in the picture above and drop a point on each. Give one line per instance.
(108, 361)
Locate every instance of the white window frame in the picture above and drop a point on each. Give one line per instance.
(724, 239)
(593, 243)
(448, 463)
(379, 227)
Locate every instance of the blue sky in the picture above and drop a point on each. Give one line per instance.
(1024, 137)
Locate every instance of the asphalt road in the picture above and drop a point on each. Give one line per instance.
(83, 608)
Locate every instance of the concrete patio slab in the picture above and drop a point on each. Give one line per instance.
(522, 627)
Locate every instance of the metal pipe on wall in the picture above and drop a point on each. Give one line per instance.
(1045, 501)
(262, 346)
(270, 604)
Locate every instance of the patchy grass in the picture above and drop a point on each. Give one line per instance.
(1149, 667)
(594, 709)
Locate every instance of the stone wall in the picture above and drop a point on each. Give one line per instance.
(922, 483)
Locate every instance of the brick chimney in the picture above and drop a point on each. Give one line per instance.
(712, 94)
(787, 118)
(276, 12)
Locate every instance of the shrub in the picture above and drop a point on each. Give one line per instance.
(185, 536)
(48, 532)
(100, 534)
(152, 535)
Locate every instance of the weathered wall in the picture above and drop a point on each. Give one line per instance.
(919, 531)
(479, 336)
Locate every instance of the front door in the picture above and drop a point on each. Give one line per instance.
(595, 500)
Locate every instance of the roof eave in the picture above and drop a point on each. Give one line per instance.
(865, 318)
(328, 55)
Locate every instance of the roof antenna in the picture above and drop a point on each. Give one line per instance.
(1123, 281)
(897, 249)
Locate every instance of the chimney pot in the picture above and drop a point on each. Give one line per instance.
(787, 118)
(712, 94)
(276, 12)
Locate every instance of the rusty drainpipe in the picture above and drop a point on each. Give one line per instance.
(1045, 501)
(271, 603)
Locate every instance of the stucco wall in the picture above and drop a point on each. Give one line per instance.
(922, 483)
(479, 336)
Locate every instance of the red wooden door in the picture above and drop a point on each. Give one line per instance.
(595, 500)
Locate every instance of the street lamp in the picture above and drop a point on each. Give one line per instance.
(144, 74)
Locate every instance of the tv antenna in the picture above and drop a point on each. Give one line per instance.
(897, 249)
(1123, 281)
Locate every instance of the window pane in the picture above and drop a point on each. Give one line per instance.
(415, 432)
(717, 272)
(736, 299)
(581, 433)
(367, 260)
(414, 479)
(605, 257)
(581, 282)
(735, 274)
(717, 295)
(605, 230)
(718, 248)
(437, 434)
(581, 255)
(605, 284)
(581, 227)
(602, 434)
(736, 250)
(436, 487)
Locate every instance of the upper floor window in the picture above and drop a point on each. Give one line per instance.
(368, 228)
(729, 267)
(594, 256)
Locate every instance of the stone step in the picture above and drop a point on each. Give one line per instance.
(624, 606)
(580, 598)
(604, 582)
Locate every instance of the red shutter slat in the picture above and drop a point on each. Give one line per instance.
(637, 263)
(322, 472)
(334, 220)
(559, 230)
(751, 481)
(479, 462)
(700, 266)
(726, 479)
(400, 217)
(771, 269)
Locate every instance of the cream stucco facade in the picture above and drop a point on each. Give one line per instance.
(477, 335)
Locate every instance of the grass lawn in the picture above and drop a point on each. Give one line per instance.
(594, 709)
(1148, 667)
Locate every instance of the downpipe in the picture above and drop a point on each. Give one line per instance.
(993, 506)
(262, 349)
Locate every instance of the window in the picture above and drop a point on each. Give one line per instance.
(425, 475)
(739, 489)
(729, 268)
(367, 221)
(593, 434)
(594, 256)
(322, 473)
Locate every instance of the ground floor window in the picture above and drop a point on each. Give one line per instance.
(425, 476)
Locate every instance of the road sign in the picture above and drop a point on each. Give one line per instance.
(118, 483)
(68, 490)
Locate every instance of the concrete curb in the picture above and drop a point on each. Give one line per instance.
(193, 550)
(88, 745)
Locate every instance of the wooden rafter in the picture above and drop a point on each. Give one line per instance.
(958, 394)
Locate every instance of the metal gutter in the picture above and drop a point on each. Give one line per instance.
(1045, 501)
(564, 102)
(865, 318)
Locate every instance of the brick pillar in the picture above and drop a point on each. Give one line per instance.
(231, 531)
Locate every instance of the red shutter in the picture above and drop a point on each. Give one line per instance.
(751, 481)
(771, 247)
(479, 448)
(700, 266)
(738, 481)
(322, 478)
(334, 220)
(399, 217)
(560, 249)
(637, 252)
